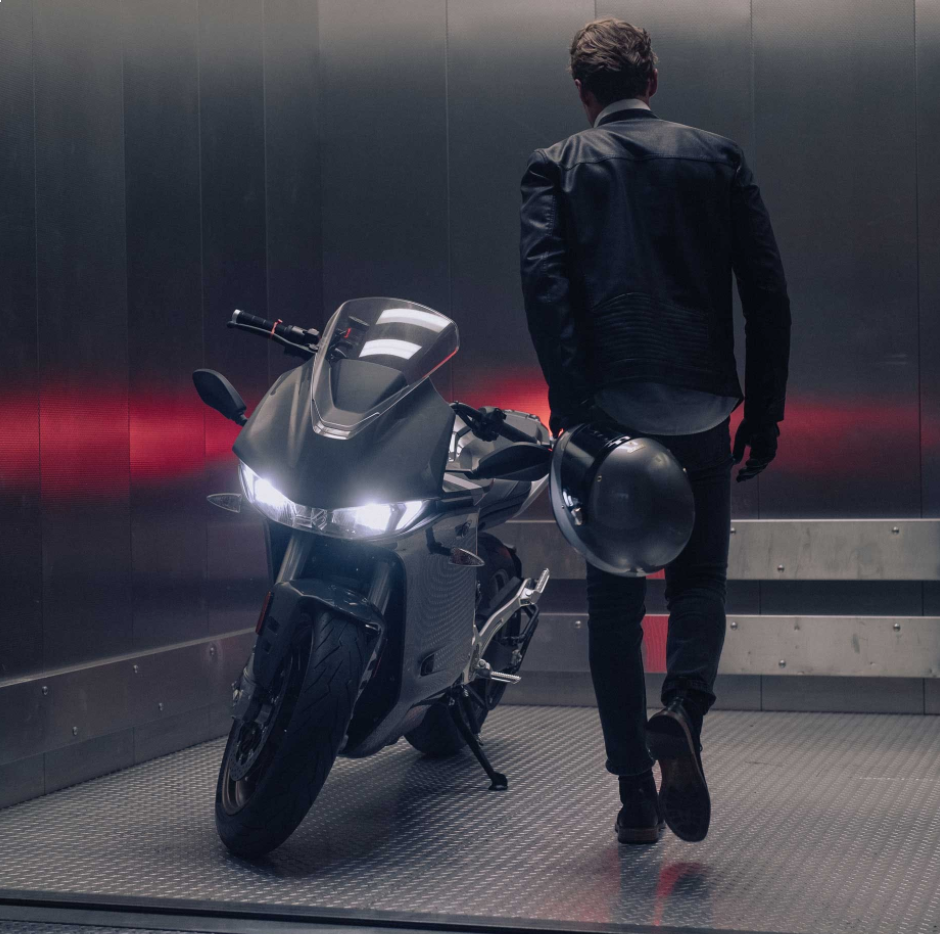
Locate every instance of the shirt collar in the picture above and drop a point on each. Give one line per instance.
(627, 103)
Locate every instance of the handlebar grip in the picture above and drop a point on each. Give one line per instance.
(513, 434)
(242, 317)
(288, 332)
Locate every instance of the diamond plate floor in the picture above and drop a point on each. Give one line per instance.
(822, 823)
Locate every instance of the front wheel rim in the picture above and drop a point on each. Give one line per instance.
(263, 741)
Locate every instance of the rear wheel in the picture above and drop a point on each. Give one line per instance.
(437, 735)
(274, 766)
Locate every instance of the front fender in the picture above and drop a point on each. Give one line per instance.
(291, 602)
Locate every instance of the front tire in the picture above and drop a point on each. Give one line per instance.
(271, 775)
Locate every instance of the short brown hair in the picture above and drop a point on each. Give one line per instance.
(612, 59)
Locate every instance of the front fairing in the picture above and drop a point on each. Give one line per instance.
(398, 455)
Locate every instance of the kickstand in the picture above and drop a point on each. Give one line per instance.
(459, 707)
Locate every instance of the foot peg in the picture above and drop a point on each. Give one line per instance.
(459, 710)
(485, 671)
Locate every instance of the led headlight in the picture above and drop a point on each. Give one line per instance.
(373, 520)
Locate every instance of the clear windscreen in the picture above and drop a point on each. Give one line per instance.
(371, 353)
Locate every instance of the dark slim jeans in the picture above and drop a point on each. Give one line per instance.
(695, 598)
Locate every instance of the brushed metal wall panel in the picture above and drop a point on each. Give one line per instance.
(22, 726)
(86, 583)
(232, 651)
(231, 81)
(20, 577)
(383, 151)
(21, 589)
(837, 598)
(86, 703)
(292, 168)
(843, 695)
(220, 719)
(857, 646)
(932, 696)
(835, 549)
(931, 591)
(237, 569)
(928, 222)
(559, 644)
(508, 94)
(167, 431)
(850, 441)
(173, 681)
(73, 764)
(737, 692)
(80, 246)
(82, 301)
(21, 780)
(231, 84)
(540, 544)
(552, 689)
(690, 38)
(165, 736)
(66, 709)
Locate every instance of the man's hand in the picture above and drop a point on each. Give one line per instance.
(762, 440)
(587, 411)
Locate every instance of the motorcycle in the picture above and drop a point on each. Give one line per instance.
(393, 610)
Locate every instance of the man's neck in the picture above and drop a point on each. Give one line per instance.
(627, 103)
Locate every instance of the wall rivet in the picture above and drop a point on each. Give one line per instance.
(45, 690)
(779, 567)
(74, 731)
(896, 530)
(732, 530)
(897, 627)
(577, 624)
(136, 669)
(782, 663)
(160, 705)
(734, 624)
(212, 650)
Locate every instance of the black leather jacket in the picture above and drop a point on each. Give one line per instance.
(630, 233)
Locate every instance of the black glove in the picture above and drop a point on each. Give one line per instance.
(762, 440)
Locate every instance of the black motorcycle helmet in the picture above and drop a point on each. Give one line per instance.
(623, 501)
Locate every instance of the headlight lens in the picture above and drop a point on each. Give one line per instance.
(373, 520)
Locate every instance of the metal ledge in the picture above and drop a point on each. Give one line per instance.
(860, 646)
(856, 646)
(780, 549)
(68, 707)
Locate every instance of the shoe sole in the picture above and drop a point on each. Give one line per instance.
(639, 834)
(683, 794)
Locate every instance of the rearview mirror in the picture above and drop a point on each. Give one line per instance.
(219, 394)
(521, 461)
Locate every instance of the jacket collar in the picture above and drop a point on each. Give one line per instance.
(633, 114)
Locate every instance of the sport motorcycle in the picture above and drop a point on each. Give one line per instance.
(393, 610)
